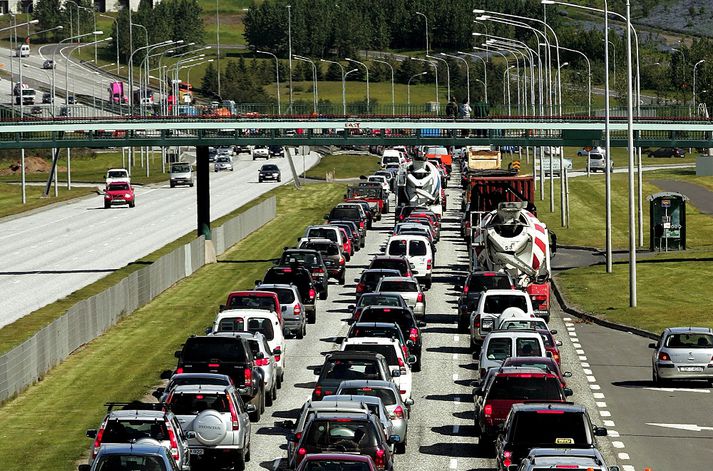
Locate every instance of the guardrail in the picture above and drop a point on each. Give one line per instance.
(27, 363)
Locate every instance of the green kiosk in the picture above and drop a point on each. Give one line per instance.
(667, 226)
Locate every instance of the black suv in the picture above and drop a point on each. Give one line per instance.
(269, 172)
(231, 356)
(349, 214)
(343, 366)
(394, 262)
(347, 432)
(302, 279)
(369, 278)
(352, 232)
(410, 327)
(531, 426)
(311, 260)
(474, 286)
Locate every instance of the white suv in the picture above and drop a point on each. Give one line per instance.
(491, 304)
(418, 251)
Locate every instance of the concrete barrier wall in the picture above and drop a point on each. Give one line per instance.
(89, 318)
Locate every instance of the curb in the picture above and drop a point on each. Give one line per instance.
(580, 247)
(596, 320)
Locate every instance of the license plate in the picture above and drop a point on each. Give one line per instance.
(691, 368)
(196, 451)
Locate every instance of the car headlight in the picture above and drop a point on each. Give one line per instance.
(275, 174)
(127, 195)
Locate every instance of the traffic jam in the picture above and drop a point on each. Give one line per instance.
(207, 410)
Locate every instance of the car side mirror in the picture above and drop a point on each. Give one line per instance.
(459, 287)
(394, 439)
(259, 356)
(412, 266)
(158, 392)
(83, 467)
(177, 353)
(614, 468)
(190, 434)
(222, 308)
(91, 433)
(567, 392)
(292, 437)
(409, 402)
(600, 431)
(553, 331)
(549, 354)
(558, 343)
(288, 424)
(421, 323)
(166, 374)
(351, 307)
(411, 360)
(250, 408)
(258, 282)
(409, 343)
(395, 373)
(567, 374)
(356, 280)
(326, 216)
(208, 330)
(283, 308)
(653, 345)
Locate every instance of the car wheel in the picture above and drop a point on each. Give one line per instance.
(342, 279)
(132, 204)
(655, 377)
(268, 396)
(278, 382)
(400, 448)
(191, 185)
(239, 461)
(107, 205)
(279, 179)
(274, 393)
(255, 416)
(304, 331)
(312, 317)
(299, 335)
(417, 365)
(263, 400)
(247, 454)
(323, 295)
(173, 185)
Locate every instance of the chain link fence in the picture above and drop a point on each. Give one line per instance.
(86, 320)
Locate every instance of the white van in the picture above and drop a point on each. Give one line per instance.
(22, 50)
(491, 305)
(417, 249)
(392, 156)
(181, 174)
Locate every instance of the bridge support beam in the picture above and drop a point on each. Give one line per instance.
(203, 201)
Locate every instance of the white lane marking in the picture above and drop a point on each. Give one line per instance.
(580, 351)
(617, 444)
(455, 356)
(575, 344)
(587, 371)
(585, 364)
(605, 413)
(571, 329)
(595, 387)
(455, 376)
(612, 433)
(623, 456)
(567, 319)
(591, 379)
(609, 423)
(670, 390)
(582, 358)
(456, 338)
(628, 467)
(453, 464)
(602, 405)
(598, 395)
(456, 429)
(689, 427)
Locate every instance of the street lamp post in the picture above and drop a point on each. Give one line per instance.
(507, 72)
(344, 85)
(485, 71)
(217, 38)
(289, 46)
(435, 73)
(448, 73)
(94, 17)
(393, 95)
(315, 94)
(368, 105)
(467, 72)
(408, 89)
(277, 75)
(426, 20)
(695, 67)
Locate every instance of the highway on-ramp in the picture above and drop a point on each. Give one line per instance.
(50, 254)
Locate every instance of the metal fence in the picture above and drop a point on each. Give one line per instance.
(86, 320)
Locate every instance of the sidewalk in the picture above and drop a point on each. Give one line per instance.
(701, 197)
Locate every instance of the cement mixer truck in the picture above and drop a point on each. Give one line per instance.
(419, 184)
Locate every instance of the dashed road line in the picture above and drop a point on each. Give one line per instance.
(453, 464)
(598, 395)
(628, 467)
(617, 444)
(609, 423)
(602, 405)
(605, 413)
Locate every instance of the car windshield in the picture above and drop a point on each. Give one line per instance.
(130, 462)
(527, 347)
(124, 431)
(322, 233)
(496, 304)
(118, 186)
(252, 302)
(523, 324)
(398, 316)
(551, 428)
(690, 340)
(390, 159)
(195, 403)
(207, 348)
(397, 247)
(387, 396)
(398, 286)
(344, 213)
(525, 388)
(372, 277)
(270, 168)
(285, 295)
(478, 283)
(340, 433)
(344, 370)
(117, 174)
(387, 350)
(384, 332)
(499, 348)
(223, 159)
(332, 465)
(181, 168)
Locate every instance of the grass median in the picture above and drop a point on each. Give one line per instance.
(50, 418)
(345, 166)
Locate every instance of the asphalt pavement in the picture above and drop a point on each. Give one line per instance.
(49, 254)
(441, 432)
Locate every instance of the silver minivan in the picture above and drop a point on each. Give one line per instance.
(181, 174)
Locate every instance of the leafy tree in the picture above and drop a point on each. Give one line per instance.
(209, 85)
(334, 73)
(50, 15)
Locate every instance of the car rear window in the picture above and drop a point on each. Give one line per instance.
(690, 340)
(398, 286)
(551, 428)
(131, 462)
(398, 316)
(297, 276)
(344, 213)
(499, 348)
(323, 248)
(478, 283)
(389, 159)
(340, 434)
(387, 396)
(373, 277)
(284, 295)
(303, 258)
(124, 431)
(397, 247)
(207, 348)
(386, 350)
(525, 388)
(399, 265)
(379, 300)
(262, 325)
(527, 347)
(417, 248)
(344, 370)
(329, 465)
(322, 233)
(252, 302)
(383, 332)
(497, 303)
(195, 403)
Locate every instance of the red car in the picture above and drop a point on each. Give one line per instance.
(266, 300)
(322, 461)
(347, 245)
(119, 193)
(551, 345)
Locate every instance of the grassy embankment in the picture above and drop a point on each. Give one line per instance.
(344, 166)
(125, 362)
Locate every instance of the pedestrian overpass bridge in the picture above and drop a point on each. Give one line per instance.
(135, 131)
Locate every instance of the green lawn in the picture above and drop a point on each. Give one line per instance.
(11, 198)
(125, 362)
(620, 156)
(345, 166)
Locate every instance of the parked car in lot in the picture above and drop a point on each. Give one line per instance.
(683, 353)
(667, 152)
(218, 422)
(269, 172)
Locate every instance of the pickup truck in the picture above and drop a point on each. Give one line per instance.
(254, 300)
(228, 355)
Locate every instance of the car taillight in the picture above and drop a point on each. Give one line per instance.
(278, 353)
(556, 356)
(488, 410)
(262, 362)
(404, 349)
(172, 441)
(401, 362)
(301, 454)
(342, 260)
(248, 376)
(213, 365)
(312, 293)
(663, 356)
(318, 391)
(233, 414)
(380, 462)
(98, 440)
(465, 289)
(297, 310)
(179, 370)
(413, 335)
(428, 264)
(360, 287)
(298, 435)
(361, 224)
(419, 298)
(318, 270)
(507, 458)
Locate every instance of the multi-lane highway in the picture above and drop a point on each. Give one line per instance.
(49, 254)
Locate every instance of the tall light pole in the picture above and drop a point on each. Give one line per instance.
(344, 85)
(485, 71)
(613, 49)
(393, 94)
(426, 20)
(507, 72)
(217, 64)
(116, 29)
(467, 71)
(694, 82)
(448, 73)
(277, 76)
(289, 46)
(131, 69)
(408, 89)
(315, 94)
(435, 72)
(94, 18)
(368, 100)
(54, 69)
(630, 133)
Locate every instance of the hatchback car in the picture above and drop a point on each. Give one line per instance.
(313, 261)
(406, 321)
(377, 299)
(543, 363)
(301, 278)
(399, 263)
(144, 454)
(332, 255)
(683, 353)
(342, 366)
(339, 461)
(575, 459)
(597, 162)
(223, 162)
(667, 152)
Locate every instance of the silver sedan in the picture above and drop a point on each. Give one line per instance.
(683, 353)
